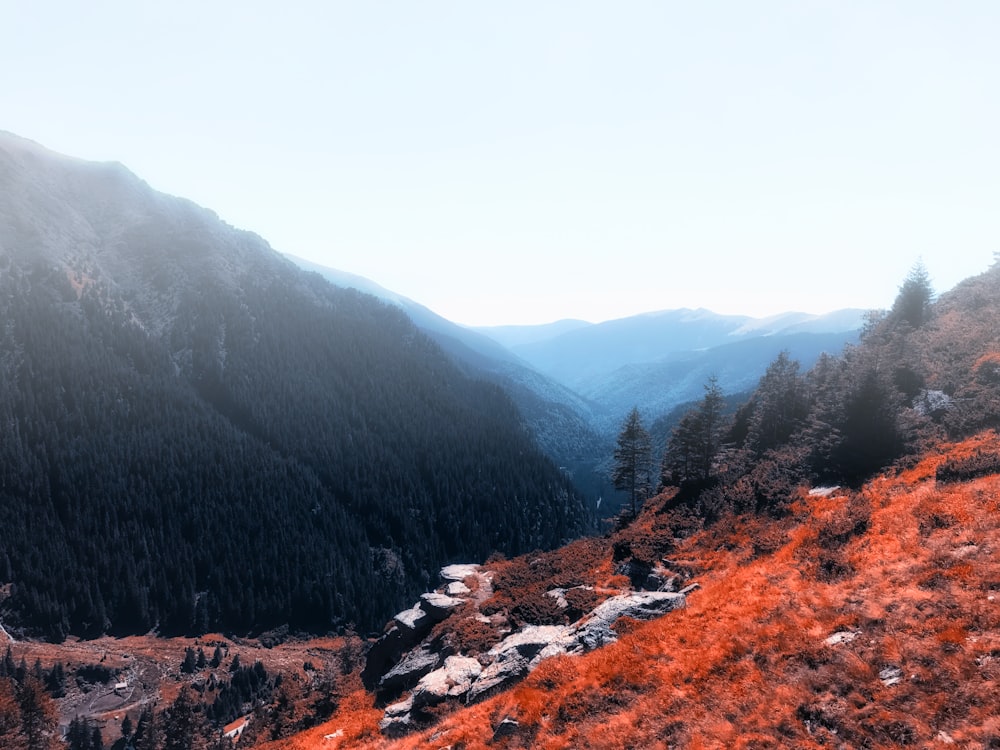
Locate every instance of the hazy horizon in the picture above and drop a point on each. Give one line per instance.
(526, 164)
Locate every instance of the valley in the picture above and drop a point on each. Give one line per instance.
(245, 501)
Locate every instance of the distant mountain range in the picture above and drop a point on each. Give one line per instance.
(599, 371)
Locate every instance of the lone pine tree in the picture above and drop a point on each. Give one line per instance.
(632, 456)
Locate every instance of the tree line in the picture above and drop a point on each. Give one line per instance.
(909, 381)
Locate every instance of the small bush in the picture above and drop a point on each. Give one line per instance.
(980, 464)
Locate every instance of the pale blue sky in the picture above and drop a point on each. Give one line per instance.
(521, 162)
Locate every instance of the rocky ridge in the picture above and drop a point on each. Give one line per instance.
(412, 658)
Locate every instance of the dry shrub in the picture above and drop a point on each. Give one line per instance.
(581, 601)
(573, 565)
(466, 635)
(850, 519)
(535, 607)
(959, 469)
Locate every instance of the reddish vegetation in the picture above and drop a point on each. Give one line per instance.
(905, 570)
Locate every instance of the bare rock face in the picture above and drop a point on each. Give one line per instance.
(517, 654)
(391, 665)
(457, 588)
(406, 630)
(408, 670)
(436, 675)
(450, 681)
(458, 572)
(594, 630)
(439, 606)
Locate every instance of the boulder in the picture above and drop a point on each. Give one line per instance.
(408, 670)
(506, 728)
(531, 640)
(406, 630)
(457, 588)
(416, 619)
(560, 596)
(841, 636)
(518, 654)
(439, 606)
(458, 572)
(594, 630)
(891, 675)
(450, 681)
(397, 720)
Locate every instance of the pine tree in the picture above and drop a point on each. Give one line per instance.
(913, 303)
(696, 440)
(183, 728)
(632, 458)
(779, 406)
(126, 728)
(190, 660)
(11, 735)
(84, 734)
(38, 715)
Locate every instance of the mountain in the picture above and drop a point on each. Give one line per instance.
(196, 434)
(585, 356)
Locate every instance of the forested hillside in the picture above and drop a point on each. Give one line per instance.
(196, 435)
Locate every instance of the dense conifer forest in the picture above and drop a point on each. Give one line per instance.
(196, 435)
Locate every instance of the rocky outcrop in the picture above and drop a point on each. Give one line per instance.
(515, 656)
(434, 675)
(453, 680)
(408, 671)
(407, 629)
(594, 630)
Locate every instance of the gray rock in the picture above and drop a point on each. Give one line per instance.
(518, 654)
(397, 721)
(533, 639)
(594, 630)
(841, 636)
(397, 726)
(506, 728)
(405, 631)
(498, 675)
(891, 675)
(439, 606)
(457, 588)
(415, 618)
(560, 596)
(399, 709)
(450, 681)
(458, 572)
(409, 669)
(932, 403)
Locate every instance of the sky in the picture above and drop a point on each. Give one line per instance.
(523, 162)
